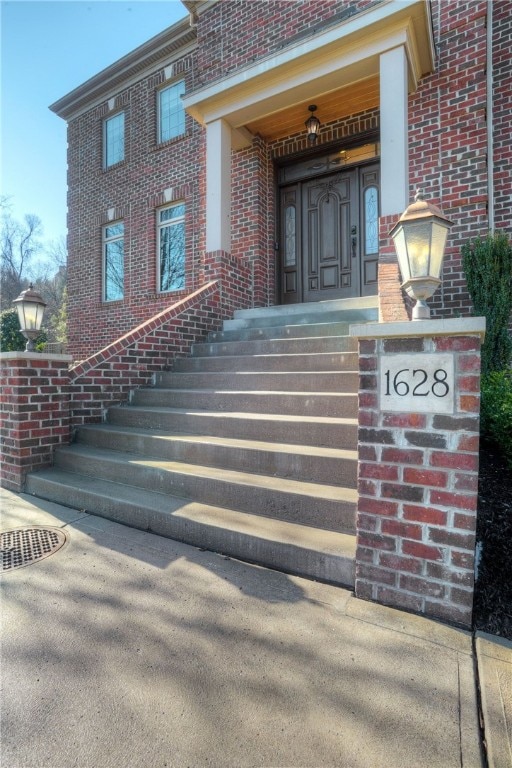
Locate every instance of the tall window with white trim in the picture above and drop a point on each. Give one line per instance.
(171, 247)
(113, 262)
(113, 140)
(171, 115)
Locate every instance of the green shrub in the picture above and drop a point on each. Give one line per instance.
(11, 338)
(488, 268)
(496, 410)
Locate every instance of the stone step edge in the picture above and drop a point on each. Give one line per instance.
(236, 477)
(290, 547)
(246, 392)
(227, 442)
(328, 305)
(292, 418)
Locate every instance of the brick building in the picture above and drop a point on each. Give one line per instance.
(189, 159)
(294, 437)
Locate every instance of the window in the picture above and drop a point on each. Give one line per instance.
(114, 140)
(171, 247)
(113, 262)
(171, 115)
(371, 220)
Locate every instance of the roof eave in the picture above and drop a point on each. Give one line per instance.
(179, 37)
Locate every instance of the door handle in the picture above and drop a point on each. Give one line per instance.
(353, 233)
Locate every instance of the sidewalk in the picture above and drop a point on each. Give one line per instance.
(127, 650)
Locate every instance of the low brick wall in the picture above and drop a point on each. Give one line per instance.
(43, 398)
(418, 469)
(35, 415)
(109, 376)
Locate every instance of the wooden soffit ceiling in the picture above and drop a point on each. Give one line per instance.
(351, 100)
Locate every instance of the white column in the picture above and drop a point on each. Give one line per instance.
(394, 145)
(218, 186)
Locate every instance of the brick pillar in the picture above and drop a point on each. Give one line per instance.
(35, 414)
(418, 465)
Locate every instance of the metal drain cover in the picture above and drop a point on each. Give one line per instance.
(25, 546)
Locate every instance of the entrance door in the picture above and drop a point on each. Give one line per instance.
(329, 236)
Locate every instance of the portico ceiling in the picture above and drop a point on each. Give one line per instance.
(337, 69)
(350, 100)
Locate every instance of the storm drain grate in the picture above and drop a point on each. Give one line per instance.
(25, 546)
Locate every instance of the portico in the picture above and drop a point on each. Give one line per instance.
(374, 59)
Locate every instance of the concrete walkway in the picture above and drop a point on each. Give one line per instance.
(124, 649)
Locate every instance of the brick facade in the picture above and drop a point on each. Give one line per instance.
(44, 398)
(447, 136)
(418, 482)
(35, 415)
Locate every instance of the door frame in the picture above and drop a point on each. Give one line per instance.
(307, 167)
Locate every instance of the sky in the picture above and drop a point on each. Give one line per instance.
(48, 48)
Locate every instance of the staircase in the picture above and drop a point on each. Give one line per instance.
(247, 448)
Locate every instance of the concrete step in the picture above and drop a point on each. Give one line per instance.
(302, 430)
(313, 362)
(317, 308)
(281, 332)
(277, 346)
(342, 405)
(323, 506)
(299, 462)
(251, 381)
(266, 321)
(297, 549)
(340, 311)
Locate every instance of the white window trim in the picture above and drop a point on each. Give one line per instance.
(107, 165)
(159, 92)
(104, 241)
(159, 226)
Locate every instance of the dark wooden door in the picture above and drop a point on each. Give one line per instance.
(328, 243)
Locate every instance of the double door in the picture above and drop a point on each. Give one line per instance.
(329, 236)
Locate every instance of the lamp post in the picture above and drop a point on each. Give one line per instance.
(30, 308)
(420, 239)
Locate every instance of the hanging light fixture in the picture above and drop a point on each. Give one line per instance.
(420, 238)
(312, 124)
(30, 308)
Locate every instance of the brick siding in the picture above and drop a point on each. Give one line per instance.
(35, 414)
(418, 475)
(447, 143)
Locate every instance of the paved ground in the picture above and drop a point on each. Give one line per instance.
(124, 649)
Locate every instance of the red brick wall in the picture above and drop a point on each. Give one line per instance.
(502, 100)
(43, 398)
(418, 477)
(447, 119)
(447, 133)
(135, 190)
(34, 415)
(235, 33)
(110, 375)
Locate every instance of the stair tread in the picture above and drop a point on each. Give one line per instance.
(270, 482)
(293, 418)
(266, 528)
(318, 307)
(256, 445)
(257, 392)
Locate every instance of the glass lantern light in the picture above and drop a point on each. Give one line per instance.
(30, 308)
(312, 124)
(420, 239)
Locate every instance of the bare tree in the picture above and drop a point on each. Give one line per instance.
(20, 243)
(24, 259)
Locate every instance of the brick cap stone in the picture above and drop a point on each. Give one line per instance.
(34, 356)
(457, 326)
